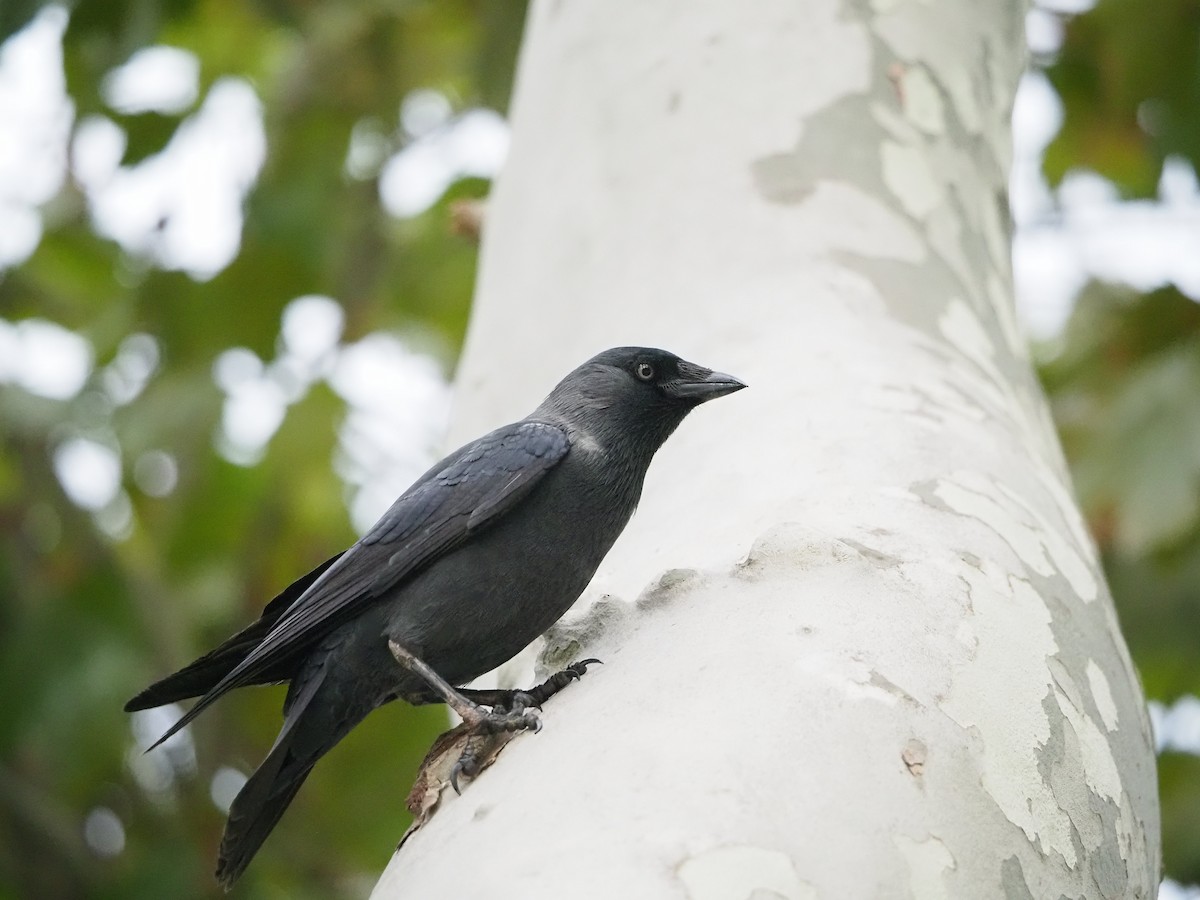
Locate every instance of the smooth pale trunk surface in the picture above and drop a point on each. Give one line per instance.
(857, 642)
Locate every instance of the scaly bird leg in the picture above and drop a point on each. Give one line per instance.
(509, 698)
(471, 712)
(535, 697)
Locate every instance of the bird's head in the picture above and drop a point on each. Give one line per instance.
(638, 391)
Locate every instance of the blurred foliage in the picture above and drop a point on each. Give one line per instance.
(85, 620)
(1179, 781)
(1128, 74)
(1124, 378)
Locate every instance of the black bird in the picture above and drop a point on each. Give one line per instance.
(481, 555)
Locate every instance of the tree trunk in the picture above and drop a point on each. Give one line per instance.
(857, 641)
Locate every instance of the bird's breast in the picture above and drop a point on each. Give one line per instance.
(482, 603)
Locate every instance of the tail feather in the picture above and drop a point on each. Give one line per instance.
(199, 677)
(256, 810)
(202, 675)
(269, 791)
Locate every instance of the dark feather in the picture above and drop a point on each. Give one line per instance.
(267, 793)
(203, 674)
(482, 483)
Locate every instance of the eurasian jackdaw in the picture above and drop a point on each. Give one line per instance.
(480, 556)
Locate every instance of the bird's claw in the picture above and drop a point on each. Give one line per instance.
(468, 764)
(515, 712)
(484, 724)
(579, 669)
(495, 722)
(517, 702)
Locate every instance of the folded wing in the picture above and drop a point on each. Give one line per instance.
(475, 488)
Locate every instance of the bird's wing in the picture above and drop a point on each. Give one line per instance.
(476, 487)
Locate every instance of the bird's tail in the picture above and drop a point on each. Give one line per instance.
(254, 814)
(205, 673)
(269, 791)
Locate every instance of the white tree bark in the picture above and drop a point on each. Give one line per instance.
(857, 642)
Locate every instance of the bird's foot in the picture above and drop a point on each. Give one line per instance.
(559, 680)
(483, 725)
(510, 711)
(519, 717)
(535, 696)
(468, 764)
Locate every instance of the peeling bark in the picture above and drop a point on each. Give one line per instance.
(858, 643)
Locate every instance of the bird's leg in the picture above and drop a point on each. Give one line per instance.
(468, 710)
(479, 721)
(471, 712)
(560, 680)
(515, 700)
(510, 709)
(516, 703)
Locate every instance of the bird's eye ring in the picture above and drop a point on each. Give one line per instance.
(644, 371)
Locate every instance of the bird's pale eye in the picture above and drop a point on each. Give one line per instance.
(644, 371)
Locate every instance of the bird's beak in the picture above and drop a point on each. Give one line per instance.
(707, 386)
